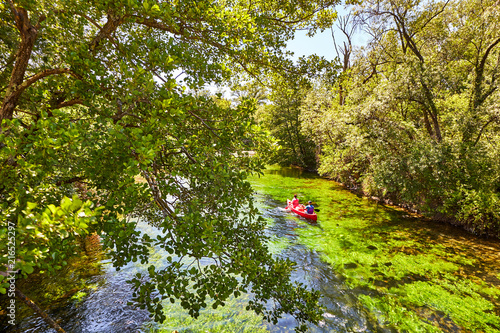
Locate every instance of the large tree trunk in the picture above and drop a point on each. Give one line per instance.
(28, 34)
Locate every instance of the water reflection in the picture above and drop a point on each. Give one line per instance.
(291, 172)
(103, 309)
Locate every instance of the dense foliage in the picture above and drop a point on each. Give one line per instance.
(282, 115)
(282, 118)
(91, 106)
(414, 115)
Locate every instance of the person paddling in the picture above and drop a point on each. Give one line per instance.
(308, 212)
(310, 208)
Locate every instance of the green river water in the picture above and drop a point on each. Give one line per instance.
(379, 269)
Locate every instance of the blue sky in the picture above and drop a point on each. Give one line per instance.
(320, 44)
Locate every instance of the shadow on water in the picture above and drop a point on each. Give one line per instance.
(291, 172)
(97, 304)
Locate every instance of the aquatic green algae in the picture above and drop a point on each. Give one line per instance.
(420, 276)
(231, 318)
(277, 245)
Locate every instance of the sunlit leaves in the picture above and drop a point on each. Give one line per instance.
(418, 126)
(45, 237)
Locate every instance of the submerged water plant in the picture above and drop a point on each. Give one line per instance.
(417, 275)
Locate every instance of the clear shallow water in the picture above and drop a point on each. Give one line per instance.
(343, 311)
(104, 307)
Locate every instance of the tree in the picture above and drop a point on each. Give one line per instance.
(282, 115)
(324, 113)
(431, 36)
(348, 26)
(90, 101)
(282, 119)
(440, 66)
(250, 90)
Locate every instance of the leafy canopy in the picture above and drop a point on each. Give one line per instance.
(91, 100)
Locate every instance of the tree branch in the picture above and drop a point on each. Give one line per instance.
(68, 103)
(204, 123)
(28, 34)
(47, 72)
(69, 181)
(478, 98)
(492, 119)
(90, 20)
(111, 25)
(38, 311)
(435, 15)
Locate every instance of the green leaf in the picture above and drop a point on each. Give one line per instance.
(52, 208)
(28, 269)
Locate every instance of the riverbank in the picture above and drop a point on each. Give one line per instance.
(411, 209)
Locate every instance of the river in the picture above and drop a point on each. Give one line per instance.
(378, 269)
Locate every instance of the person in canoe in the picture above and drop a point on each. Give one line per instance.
(310, 208)
(295, 201)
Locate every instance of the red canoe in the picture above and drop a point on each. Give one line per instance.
(301, 211)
